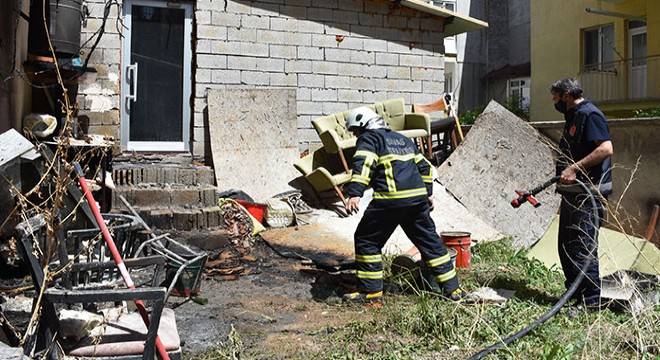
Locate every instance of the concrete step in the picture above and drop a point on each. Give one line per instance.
(182, 219)
(125, 173)
(175, 195)
(166, 195)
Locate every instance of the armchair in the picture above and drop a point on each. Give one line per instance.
(337, 139)
(323, 174)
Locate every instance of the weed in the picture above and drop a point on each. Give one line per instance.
(422, 325)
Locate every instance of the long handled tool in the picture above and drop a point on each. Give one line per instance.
(116, 256)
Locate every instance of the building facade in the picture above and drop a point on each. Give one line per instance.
(611, 46)
(156, 61)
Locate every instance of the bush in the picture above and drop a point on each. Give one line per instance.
(645, 113)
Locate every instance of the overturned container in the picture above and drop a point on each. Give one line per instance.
(410, 271)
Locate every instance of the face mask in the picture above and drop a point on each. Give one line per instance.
(561, 106)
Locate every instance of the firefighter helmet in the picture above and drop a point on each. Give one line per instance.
(360, 117)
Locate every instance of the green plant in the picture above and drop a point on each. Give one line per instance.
(643, 113)
(468, 117)
(516, 105)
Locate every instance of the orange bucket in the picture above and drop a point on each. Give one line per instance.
(459, 241)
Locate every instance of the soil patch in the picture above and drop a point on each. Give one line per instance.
(276, 307)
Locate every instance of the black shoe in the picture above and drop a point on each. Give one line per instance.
(360, 297)
(457, 295)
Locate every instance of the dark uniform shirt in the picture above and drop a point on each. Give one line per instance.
(585, 125)
(390, 163)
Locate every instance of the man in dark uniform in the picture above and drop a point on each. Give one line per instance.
(402, 180)
(586, 150)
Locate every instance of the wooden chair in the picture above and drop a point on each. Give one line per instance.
(444, 125)
(125, 338)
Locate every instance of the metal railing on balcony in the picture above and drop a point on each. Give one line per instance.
(631, 79)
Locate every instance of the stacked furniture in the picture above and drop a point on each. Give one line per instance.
(328, 167)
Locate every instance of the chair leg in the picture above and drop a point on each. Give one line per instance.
(454, 139)
(460, 130)
(343, 161)
(429, 147)
(341, 195)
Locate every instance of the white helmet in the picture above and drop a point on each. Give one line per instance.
(360, 117)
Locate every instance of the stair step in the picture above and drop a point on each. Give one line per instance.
(182, 219)
(184, 174)
(166, 195)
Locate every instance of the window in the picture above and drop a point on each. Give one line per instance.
(598, 52)
(449, 83)
(450, 41)
(519, 91)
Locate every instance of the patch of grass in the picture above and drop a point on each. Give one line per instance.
(422, 325)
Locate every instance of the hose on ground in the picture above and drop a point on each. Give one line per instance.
(561, 302)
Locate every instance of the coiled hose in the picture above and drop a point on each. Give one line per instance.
(562, 301)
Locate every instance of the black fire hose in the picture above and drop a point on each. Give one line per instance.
(567, 295)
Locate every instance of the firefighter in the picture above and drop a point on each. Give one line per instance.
(402, 180)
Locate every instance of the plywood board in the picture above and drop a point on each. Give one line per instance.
(254, 140)
(500, 154)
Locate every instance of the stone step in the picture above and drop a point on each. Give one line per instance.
(145, 195)
(182, 219)
(128, 174)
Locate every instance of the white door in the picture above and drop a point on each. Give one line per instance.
(156, 77)
(637, 75)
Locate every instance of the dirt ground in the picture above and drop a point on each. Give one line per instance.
(274, 305)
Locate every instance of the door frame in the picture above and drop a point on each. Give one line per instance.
(126, 84)
(639, 72)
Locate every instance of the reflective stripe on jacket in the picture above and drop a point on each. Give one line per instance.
(391, 164)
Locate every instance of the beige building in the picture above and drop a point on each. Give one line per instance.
(611, 46)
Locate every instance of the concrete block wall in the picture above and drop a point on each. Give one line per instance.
(337, 54)
(99, 101)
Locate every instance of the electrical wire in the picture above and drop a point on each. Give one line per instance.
(564, 298)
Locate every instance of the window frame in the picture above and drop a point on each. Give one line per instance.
(604, 51)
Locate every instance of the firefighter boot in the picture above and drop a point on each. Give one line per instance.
(457, 295)
(360, 297)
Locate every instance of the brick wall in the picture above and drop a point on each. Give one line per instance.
(337, 54)
(99, 101)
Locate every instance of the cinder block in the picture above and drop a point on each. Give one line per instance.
(205, 176)
(185, 177)
(213, 216)
(151, 197)
(185, 220)
(185, 197)
(159, 218)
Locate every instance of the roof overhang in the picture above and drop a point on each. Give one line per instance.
(455, 23)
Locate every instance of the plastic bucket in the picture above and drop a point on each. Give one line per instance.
(410, 268)
(459, 241)
(256, 210)
(187, 284)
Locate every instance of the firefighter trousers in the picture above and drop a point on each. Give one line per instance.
(578, 242)
(376, 227)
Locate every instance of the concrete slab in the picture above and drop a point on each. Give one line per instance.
(253, 139)
(616, 251)
(328, 240)
(502, 153)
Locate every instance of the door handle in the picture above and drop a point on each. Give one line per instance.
(132, 76)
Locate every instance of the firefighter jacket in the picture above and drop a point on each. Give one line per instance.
(390, 163)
